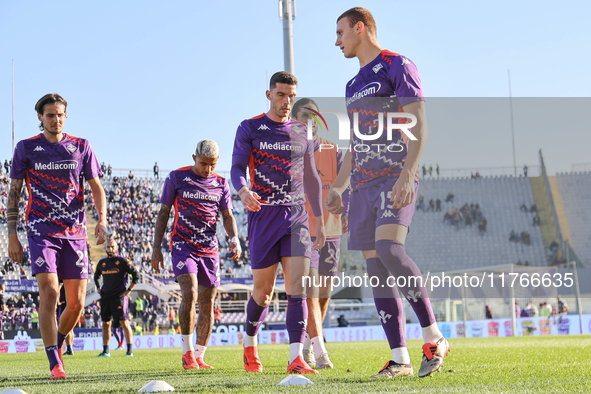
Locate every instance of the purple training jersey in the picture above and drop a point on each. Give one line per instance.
(196, 202)
(280, 157)
(386, 84)
(54, 174)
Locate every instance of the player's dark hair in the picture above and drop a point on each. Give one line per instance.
(360, 14)
(50, 98)
(301, 103)
(282, 77)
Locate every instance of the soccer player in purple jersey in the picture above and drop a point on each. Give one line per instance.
(385, 181)
(281, 163)
(54, 166)
(198, 196)
(324, 263)
(114, 292)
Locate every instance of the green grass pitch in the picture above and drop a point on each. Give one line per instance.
(500, 365)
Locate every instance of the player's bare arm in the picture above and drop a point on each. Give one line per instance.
(232, 231)
(313, 188)
(403, 191)
(206, 297)
(161, 224)
(15, 249)
(334, 201)
(250, 199)
(100, 202)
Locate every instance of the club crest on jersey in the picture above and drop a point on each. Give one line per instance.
(377, 67)
(180, 265)
(264, 127)
(40, 261)
(71, 148)
(38, 149)
(215, 183)
(296, 128)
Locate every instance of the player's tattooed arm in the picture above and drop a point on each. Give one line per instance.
(15, 249)
(14, 195)
(161, 224)
(205, 323)
(232, 231)
(229, 223)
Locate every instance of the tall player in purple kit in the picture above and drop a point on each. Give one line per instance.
(54, 166)
(385, 182)
(198, 196)
(281, 163)
(324, 263)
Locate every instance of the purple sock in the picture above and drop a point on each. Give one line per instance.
(117, 334)
(394, 258)
(388, 304)
(60, 339)
(297, 318)
(52, 356)
(255, 316)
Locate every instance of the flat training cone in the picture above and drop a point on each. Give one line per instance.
(156, 386)
(13, 390)
(295, 380)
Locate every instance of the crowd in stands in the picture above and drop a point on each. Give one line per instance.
(429, 170)
(15, 270)
(466, 216)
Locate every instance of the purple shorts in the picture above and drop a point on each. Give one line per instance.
(278, 231)
(326, 260)
(68, 258)
(371, 208)
(207, 268)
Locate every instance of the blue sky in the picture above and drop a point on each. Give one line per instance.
(145, 80)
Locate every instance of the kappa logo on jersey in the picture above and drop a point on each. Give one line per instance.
(405, 61)
(377, 67)
(40, 261)
(333, 269)
(264, 127)
(38, 149)
(384, 316)
(215, 183)
(71, 148)
(414, 295)
(187, 179)
(388, 214)
(180, 265)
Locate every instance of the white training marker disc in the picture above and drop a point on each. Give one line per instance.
(156, 386)
(13, 391)
(295, 380)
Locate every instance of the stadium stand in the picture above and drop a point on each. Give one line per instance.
(575, 190)
(437, 246)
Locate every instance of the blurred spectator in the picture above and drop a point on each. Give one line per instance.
(488, 312)
(156, 170)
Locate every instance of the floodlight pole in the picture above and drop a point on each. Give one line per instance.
(512, 128)
(287, 14)
(12, 107)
